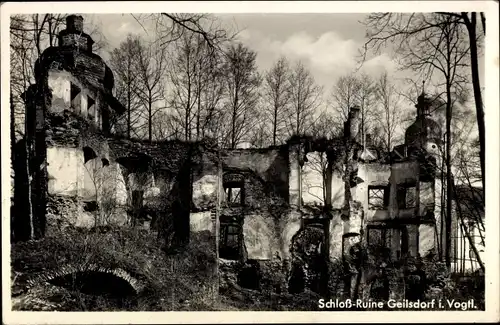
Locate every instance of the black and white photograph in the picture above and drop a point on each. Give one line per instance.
(163, 158)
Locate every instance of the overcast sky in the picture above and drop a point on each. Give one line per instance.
(328, 44)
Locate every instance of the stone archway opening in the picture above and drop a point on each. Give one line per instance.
(309, 260)
(95, 283)
(250, 275)
(92, 280)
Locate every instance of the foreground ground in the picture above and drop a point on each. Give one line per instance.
(182, 281)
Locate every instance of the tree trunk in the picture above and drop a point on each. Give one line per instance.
(449, 180)
(483, 21)
(150, 120)
(471, 27)
(198, 118)
(233, 126)
(128, 110)
(275, 126)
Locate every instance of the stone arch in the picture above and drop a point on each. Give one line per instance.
(91, 279)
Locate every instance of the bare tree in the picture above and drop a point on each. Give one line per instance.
(212, 91)
(150, 83)
(366, 101)
(124, 61)
(197, 87)
(397, 29)
(259, 136)
(166, 126)
(305, 98)
(184, 75)
(354, 90)
(321, 162)
(427, 43)
(389, 114)
(242, 84)
(277, 95)
(470, 23)
(343, 96)
(171, 27)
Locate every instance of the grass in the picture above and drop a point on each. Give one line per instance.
(170, 281)
(184, 281)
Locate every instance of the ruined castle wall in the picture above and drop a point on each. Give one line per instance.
(289, 226)
(293, 180)
(427, 239)
(65, 171)
(60, 83)
(427, 234)
(372, 174)
(201, 221)
(402, 173)
(260, 237)
(265, 172)
(337, 229)
(267, 225)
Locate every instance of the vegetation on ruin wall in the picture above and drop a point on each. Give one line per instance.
(416, 278)
(167, 285)
(68, 129)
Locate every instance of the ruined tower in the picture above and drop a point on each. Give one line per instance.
(68, 115)
(424, 133)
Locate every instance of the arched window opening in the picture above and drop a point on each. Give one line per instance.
(88, 154)
(105, 162)
(75, 98)
(91, 108)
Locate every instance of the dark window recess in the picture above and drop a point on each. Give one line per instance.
(90, 206)
(230, 241)
(105, 120)
(382, 236)
(75, 97)
(91, 107)
(378, 197)
(88, 154)
(105, 162)
(407, 196)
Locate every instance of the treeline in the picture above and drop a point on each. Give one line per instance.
(192, 79)
(192, 89)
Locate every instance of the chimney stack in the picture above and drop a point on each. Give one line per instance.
(353, 122)
(368, 140)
